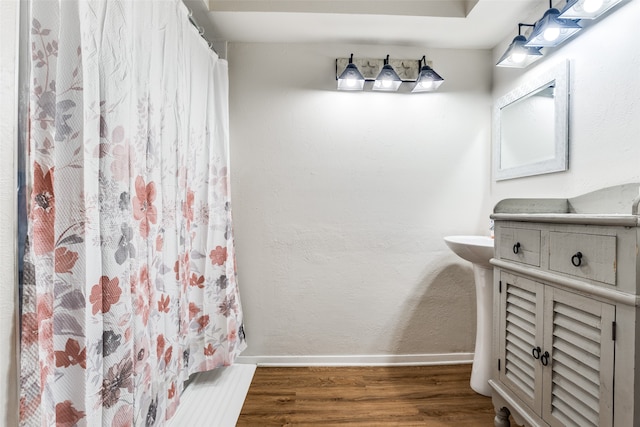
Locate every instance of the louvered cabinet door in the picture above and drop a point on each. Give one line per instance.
(521, 309)
(578, 380)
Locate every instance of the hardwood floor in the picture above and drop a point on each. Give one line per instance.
(432, 396)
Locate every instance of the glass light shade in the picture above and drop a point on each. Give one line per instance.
(388, 80)
(428, 80)
(586, 9)
(551, 31)
(351, 78)
(518, 55)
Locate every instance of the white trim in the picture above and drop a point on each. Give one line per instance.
(615, 296)
(359, 360)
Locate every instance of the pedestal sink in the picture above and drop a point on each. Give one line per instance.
(479, 250)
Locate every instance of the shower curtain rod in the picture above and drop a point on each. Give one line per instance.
(198, 27)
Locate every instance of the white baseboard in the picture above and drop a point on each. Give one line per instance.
(359, 360)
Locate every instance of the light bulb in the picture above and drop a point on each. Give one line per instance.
(591, 6)
(552, 33)
(386, 83)
(351, 82)
(426, 84)
(518, 57)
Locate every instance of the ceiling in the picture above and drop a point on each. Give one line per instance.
(462, 24)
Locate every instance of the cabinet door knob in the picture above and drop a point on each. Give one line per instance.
(576, 260)
(516, 248)
(536, 352)
(544, 359)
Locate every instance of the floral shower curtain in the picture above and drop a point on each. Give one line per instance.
(130, 282)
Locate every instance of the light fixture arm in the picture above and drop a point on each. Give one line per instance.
(520, 25)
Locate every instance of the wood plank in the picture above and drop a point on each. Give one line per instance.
(365, 396)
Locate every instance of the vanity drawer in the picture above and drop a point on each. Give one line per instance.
(589, 256)
(520, 245)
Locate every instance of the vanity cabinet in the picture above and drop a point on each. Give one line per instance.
(556, 352)
(565, 324)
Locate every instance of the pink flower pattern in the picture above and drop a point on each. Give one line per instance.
(218, 255)
(122, 299)
(143, 208)
(105, 294)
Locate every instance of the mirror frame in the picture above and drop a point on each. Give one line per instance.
(559, 75)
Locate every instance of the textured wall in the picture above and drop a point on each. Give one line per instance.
(342, 200)
(604, 147)
(8, 283)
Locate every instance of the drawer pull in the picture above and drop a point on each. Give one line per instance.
(576, 260)
(536, 353)
(516, 248)
(544, 359)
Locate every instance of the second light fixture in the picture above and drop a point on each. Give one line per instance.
(554, 28)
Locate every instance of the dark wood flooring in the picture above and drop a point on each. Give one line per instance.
(433, 396)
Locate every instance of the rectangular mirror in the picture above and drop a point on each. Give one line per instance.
(531, 127)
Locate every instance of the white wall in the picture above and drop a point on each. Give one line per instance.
(604, 147)
(342, 200)
(8, 137)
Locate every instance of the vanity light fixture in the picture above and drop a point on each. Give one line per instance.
(517, 54)
(351, 78)
(387, 75)
(388, 80)
(428, 80)
(586, 9)
(551, 30)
